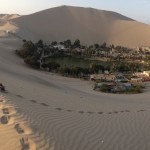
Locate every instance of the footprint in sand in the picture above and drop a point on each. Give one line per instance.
(4, 119)
(20, 96)
(81, 112)
(69, 110)
(109, 113)
(90, 112)
(1, 100)
(5, 111)
(25, 141)
(19, 129)
(59, 109)
(100, 112)
(141, 110)
(127, 110)
(33, 101)
(8, 110)
(122, 111)
(22, 128)
(24, 144)
(43, 104)
(115, 112)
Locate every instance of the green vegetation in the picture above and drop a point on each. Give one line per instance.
(51, 65)
(29, 53)
(78, 61)
(52, 58)
(134, 90)
(104, 88)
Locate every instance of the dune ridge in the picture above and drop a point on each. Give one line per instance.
(87, 24)
(44, 111)
(8, 16)
(6, 24)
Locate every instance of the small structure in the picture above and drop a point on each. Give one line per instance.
(107, 77)
(110, 84)
(137, 82)
(60, 47)
(121, 78)
(147, 73)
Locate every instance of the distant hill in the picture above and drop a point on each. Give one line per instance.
(6, 25)
(87, 24)
(8, 16)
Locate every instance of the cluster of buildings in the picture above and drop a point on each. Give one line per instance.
(138, 53)
(119, 82)
(123, 53)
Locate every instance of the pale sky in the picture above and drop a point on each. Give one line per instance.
(135, 9)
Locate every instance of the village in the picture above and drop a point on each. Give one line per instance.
(99, 52)
(120, 83)
(125, 70)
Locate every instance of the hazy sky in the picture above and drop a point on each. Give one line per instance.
(136, 9)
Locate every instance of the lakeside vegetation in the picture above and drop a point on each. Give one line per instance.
(79, 61)
(109, 88)
(41, 56)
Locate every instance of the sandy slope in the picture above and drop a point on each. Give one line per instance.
(15, 133)
(89, 25)
(8, 16)
(66, 114)
(6, 24)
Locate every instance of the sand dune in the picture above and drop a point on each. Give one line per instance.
(8, 16)
(58, 113)
(6, 25)
(10, 136)
(44, 111)
(89, 25)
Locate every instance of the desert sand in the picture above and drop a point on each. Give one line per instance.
(59, 113)
(15, 133)
(6, 24)
(9, 16)
(87, 24)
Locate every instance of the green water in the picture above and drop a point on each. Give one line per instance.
(78, 62)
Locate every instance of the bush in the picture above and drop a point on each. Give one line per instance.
(52, 65)
(104, 88)
(44, 65)
(138, 89)
(32, 61)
